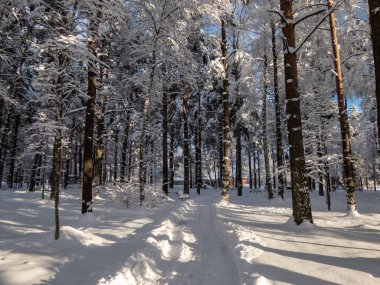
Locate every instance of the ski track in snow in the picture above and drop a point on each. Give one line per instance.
(185, 248)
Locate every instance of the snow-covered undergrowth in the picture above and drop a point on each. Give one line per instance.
(197, 241)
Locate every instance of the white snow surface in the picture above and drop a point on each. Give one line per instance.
(197, 241)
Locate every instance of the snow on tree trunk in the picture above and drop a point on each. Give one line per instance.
(268, 181)
(186, 142)
(88, 163)
(300, 192)
(226, 118)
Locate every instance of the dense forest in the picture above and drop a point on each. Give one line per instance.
(146, 94)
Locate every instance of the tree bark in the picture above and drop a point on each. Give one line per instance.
(343, 118)
(374, 19)
(171, 157)
(250, 167)
(98, 179)
(268, 180)
(165, 166)
(88, 163)
(186, 149)
(198, 149)
(301, 199)
(226, 118)
(13, 151)
(279, 146)
(124, 149)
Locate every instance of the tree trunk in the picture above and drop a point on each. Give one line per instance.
(98, 177)
(374, 19)
(198, 149)
(254, 168)
(171, 157)
(226, 118)
(250, 167)
(88, 146)
(32, 181)
(258, 167)
(165, 166)
(148, 100)
(279, 147)
(186, 149)
(124, 150)
(115, 157)
(343, 118)
(13, 151)
(268, 180)
(301, 199)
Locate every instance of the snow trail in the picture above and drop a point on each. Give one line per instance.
(185, 248)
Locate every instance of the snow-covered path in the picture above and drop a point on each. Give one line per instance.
(186, 247)
(198, 241)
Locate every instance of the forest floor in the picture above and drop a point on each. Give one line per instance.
(196, 241)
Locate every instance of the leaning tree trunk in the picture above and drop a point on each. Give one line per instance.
(279, 147)
(268, 180)
(226, 118)
(343, 118)
(88, 163)
(301, 199)
(374, 19)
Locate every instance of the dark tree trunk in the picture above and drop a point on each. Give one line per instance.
(165, 166)
(279, 147)
(198, 147)
(13, 151)
(171, 157)
(226, 118)
(124, 150)
(115, 156)
(220, 150)
(98, 177)
(88, 145)
(301, 199)
(268, 180)
(4, 146)
(374, 19)
(186, 149)
(343, 118)
(250, 167)
(254, 167)
(32, 181)
(258, 167)
(130, 160)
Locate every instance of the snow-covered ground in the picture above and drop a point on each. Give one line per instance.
(197, 241)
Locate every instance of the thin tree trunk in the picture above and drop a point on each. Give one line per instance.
(171, 157)
(343, 118)
(148, 100)
(198, 149)
(226, 118)
(13, 151)
(32, 181)
(254, 168)
(301, 199)
(124, 149)
(165, 166)
(250, 167)
(186, 150)
(279, 147)
(268, 180)
(116, 155)
(258, 168)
